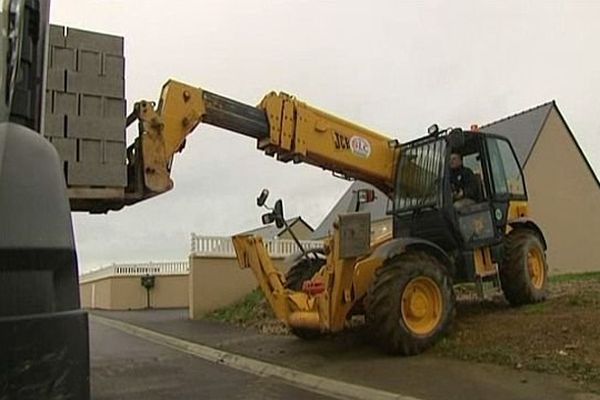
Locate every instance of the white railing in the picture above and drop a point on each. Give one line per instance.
(220, 246)
(137, 269)
(201, 246)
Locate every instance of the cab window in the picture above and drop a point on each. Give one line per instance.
(419, 175)
(505, 171)
(473, 162)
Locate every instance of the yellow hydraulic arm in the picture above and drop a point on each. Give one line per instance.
(283, 126)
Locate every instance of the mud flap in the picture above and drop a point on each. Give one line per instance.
(45, 356)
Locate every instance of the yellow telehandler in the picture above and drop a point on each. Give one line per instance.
(402, 283)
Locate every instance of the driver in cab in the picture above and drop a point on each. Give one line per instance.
(463, 182)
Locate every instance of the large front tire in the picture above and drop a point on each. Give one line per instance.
(410, 303)
(524, 271)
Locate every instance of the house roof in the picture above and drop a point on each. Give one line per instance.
(349, 202)
(522, 129)
(271, 231)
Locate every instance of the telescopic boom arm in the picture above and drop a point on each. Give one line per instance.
(283, 126)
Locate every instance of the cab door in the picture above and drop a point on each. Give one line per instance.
(506, 180)
(475, 221)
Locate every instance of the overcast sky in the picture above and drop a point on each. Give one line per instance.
(394, 66)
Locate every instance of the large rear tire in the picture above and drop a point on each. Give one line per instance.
(410, 303)
(524, 271)
(302, 270)
(298, 273)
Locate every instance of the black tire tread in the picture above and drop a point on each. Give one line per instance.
(302, 271)
(514, 277)
(383, 302)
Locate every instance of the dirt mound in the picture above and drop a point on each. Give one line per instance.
(558, 336)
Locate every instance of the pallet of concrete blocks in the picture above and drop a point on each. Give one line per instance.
(86, 109)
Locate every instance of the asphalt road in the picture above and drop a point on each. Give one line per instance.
(351, 358)
(126, 367)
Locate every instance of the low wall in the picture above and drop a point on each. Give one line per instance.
(218, 282)
(95, 294)
(127, 293)
(209, 280)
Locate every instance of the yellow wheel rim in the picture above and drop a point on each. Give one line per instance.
(535, 267)
(421, 305)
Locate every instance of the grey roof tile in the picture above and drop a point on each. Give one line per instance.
(522, 129)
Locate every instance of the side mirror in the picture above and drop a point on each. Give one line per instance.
(278, 214)
(262, 198)
(267, 218)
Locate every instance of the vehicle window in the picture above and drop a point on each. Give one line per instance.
(419, 176)
(506, 174)
(473, 162)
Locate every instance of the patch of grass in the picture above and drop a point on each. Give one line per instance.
(241, 312)
(536, 308)
(575, 301)
(583, 276)
(585, 299)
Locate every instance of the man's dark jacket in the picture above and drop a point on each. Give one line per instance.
(463, 178)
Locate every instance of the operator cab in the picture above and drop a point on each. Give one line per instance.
(459, 205)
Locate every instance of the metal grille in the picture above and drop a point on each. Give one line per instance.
(420, 175)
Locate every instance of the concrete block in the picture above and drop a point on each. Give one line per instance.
(89, 62)
(85, 174)
(54, 125)
(90, 105)
(65, 103)
(91, 151)
(78, 82)
(96, 127)
(114, 152)
(80, 39)
(66, 148)
(113, 66)
(56, 35)
(115, 108)
(55, 79)
(62, 58)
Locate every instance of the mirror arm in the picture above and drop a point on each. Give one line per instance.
(302, 249)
